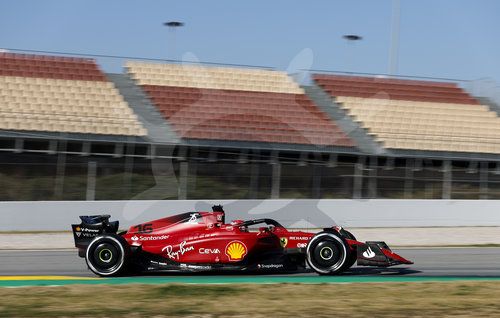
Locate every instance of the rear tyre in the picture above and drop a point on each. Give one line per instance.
(107, 255)
(328, 253)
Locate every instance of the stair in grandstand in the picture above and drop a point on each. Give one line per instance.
(159, 130)
(364, 142)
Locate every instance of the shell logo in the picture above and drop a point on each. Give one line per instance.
(236, 250)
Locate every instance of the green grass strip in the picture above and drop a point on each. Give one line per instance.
(241, 280)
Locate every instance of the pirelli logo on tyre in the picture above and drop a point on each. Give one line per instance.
(235, 251)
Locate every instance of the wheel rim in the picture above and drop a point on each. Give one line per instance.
(105, 256)
(326, 253)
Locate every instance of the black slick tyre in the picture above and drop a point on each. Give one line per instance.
(328, 253)
(107, 255)
(354, 254)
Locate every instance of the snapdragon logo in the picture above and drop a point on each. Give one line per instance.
(270, 266)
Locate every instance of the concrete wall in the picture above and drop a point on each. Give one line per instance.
(58, 215)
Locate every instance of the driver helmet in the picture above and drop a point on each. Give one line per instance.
(243, 228)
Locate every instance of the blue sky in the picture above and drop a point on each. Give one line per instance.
(438, 38)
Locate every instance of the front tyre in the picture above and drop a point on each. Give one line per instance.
(328, 253)
(354, 254)
(107, 255)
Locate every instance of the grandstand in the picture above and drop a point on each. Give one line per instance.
(221, 103)
(58, 94)
(167, 131)
(416, 115)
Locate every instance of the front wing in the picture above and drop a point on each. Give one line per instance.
(374, 253)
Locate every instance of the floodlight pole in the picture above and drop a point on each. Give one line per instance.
(393, 59)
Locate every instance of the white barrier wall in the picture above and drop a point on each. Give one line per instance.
(58, 215)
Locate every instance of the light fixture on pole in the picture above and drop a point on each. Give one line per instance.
(352, 37)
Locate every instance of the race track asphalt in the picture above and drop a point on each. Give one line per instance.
(429, 262)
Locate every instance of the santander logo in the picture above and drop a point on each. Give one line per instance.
(369, 253)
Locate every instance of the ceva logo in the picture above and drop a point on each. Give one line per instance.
(208, 251)
(236, 250)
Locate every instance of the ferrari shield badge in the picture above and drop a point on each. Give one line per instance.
(283, 241)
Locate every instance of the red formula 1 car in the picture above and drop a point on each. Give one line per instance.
(202, 242)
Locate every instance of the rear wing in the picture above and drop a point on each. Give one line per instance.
(90, 227)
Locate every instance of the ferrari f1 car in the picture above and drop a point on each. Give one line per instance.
(203, 242)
